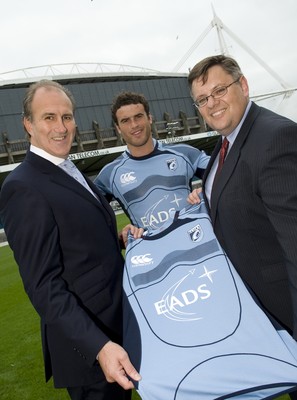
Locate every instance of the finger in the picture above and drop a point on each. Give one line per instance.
(191, 199)
(130, 371)
(124, 381)
(136, 232)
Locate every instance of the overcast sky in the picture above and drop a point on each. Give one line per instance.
(156, 34)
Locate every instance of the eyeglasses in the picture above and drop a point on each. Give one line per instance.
(216, 94)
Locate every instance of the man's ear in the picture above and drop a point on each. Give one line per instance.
(27, 125)
(244, 85)
(118, 128)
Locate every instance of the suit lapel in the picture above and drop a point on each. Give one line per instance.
(60, 177)
(208, 168)
(102, 200)
(231, 160)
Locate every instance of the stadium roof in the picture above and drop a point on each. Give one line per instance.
(80, 71)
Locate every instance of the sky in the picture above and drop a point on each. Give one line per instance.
(164, 35)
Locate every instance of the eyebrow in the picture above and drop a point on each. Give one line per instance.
(214, 88)
(48, 114)
(132, 116)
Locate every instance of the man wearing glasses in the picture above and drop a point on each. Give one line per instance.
(253, 199)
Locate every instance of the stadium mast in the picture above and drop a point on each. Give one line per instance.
(220, 27)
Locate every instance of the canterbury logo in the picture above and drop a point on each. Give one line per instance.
(141, 260)
(127, 177)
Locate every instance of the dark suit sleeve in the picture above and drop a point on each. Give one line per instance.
(278, 191)
(30, 223)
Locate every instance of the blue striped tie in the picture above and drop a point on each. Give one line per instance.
(69, 167)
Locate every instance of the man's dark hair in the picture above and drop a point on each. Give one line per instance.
(200, 70)
(125, 99)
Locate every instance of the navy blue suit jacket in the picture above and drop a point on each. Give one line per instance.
(65, 243)
(254, 210)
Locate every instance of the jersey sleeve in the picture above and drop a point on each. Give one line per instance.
(102, 181)
(198, 159)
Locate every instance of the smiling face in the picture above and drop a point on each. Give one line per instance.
(134, 125)
(225, 113)
(52, 125)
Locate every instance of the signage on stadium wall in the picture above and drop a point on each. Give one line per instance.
(120, 149)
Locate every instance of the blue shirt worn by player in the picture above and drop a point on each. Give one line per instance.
(149, 188)
(192, 328)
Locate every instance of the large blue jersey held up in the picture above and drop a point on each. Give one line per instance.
(192, 328)
(149, 188)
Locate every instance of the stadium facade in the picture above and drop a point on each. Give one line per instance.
(97, 143)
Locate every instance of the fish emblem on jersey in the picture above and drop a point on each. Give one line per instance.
(196, 233)
(172, 164)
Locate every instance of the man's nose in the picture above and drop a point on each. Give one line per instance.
(60, 125)
(211, 101)
(134, 122)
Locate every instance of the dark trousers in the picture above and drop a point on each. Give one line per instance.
(293, 395)
(99, 391)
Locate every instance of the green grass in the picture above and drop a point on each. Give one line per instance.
(122, 220)
(21, 363)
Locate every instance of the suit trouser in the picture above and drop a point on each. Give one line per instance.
(293, 395)
(99, 391)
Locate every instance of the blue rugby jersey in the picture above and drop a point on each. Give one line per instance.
(192, 328)
(150, 188)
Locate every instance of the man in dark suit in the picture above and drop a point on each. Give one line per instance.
(65, 242)
(253, 200)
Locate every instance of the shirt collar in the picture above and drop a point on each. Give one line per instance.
(231, 138)
(40, 152)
